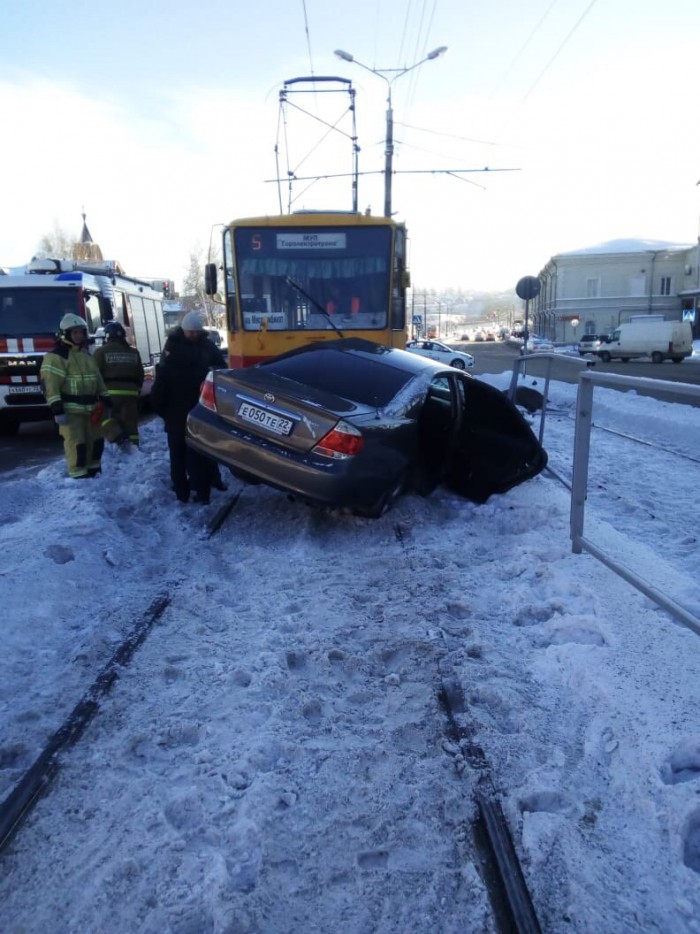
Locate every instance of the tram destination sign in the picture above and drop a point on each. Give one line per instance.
(310, 240)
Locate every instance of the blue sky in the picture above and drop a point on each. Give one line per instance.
(162, 120)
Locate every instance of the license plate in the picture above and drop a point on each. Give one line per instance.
(34, 389)
(274, 423)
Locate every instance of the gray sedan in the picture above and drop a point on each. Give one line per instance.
(351, 424)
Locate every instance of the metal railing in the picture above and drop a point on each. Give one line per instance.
(579, 483)
(520, 364)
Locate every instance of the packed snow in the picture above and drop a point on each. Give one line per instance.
(275, 756)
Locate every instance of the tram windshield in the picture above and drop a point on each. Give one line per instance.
(306, 278)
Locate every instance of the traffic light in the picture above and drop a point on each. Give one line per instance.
(166, 289)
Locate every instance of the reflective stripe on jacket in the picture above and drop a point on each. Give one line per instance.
(121, 367)
(71, 379)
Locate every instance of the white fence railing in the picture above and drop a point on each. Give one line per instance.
(579, 483)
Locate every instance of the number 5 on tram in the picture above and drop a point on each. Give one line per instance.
(298, 278)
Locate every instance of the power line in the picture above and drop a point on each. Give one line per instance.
(464, 139)
(558, 51)
(528, 40)
(308, 37)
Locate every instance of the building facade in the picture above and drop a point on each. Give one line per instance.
(593, 290)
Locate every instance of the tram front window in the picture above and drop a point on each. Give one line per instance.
(300, 280)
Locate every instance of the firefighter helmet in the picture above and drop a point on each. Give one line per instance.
(114, 329)
(71, 321)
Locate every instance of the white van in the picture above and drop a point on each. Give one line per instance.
(660, 340)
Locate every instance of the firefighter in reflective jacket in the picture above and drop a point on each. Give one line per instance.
(122, 371)
(76, 393)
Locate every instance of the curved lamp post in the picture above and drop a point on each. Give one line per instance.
(389, 144)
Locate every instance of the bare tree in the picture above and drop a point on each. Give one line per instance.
(193, 296)
(58, 244)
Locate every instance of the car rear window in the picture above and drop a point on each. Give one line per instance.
(347, 375)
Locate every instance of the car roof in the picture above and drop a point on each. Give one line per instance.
(349, 368)
(369, 350)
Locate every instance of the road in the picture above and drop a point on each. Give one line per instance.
(495, 357)
(35, 445)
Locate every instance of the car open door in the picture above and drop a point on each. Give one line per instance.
(494, 448)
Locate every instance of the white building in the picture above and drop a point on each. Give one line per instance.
(592, 290)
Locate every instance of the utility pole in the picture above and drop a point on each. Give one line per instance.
(389, 135)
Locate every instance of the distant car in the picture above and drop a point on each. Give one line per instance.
(436, 350)
(465, 337)
(479, 336)
(589, 343)
(214, 336)
(490, 336)
(539, 345)
(352, 424)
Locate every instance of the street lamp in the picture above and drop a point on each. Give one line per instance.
(389, 145)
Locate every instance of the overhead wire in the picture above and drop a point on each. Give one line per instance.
(529, 39)
(308, 37)
(558, 51)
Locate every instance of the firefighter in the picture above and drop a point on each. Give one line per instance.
(122, 372)
(76, 394)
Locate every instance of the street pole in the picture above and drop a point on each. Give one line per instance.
(388, 154)
(389, 134)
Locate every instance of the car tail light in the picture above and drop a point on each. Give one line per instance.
(207, 393)
(341, 442)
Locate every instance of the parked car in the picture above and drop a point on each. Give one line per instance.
(214, 336)
(436, 350)
(537, 344)
(589, 343)
(352, 424)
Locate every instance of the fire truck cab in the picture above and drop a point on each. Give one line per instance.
(32, 304)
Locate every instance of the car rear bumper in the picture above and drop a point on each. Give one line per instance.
(336, 483)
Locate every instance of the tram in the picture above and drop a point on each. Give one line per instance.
(294, 279)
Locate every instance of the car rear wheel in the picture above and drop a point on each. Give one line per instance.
(386, 500)
(605, 357)
(657, 357)
(458, 364)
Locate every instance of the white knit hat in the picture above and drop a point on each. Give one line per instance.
(193, 321)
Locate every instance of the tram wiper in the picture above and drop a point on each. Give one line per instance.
(315, 303)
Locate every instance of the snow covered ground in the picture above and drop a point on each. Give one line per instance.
(275, 757)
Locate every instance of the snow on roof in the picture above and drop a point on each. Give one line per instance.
(628, 246)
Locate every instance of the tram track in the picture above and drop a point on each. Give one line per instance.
(492, 844)
(37, 778)
(500, 868)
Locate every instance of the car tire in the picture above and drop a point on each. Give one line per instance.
(386, 500)
(677, 359)
(458, 364)
(657, 357)
(605, 357)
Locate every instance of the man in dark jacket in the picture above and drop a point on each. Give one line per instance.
(187, 357)
(122, 371)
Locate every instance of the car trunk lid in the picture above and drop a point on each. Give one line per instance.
(289, 413)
